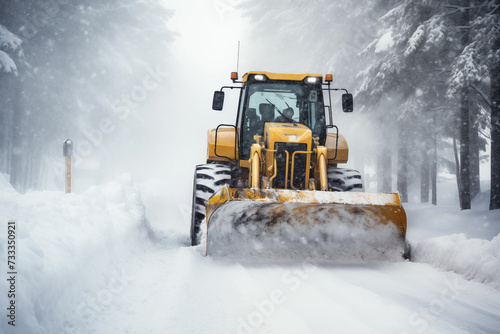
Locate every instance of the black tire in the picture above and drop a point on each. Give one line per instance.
(208, 179)
(343, 179)
(407, 253)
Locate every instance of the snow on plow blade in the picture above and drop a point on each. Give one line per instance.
(271, 223)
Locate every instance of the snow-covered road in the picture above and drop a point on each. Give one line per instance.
(91, 264)
(173, 288)
(177, 290)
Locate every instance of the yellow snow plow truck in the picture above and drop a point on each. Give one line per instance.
(271, 185)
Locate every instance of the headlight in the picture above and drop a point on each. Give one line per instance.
(312, 80)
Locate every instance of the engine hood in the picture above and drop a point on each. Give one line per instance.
(286, 133)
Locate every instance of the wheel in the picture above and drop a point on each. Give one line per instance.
(208, 179)
(407, 253)
(343, 179)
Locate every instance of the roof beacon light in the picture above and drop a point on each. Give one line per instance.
(259, 77)
(312, 79)
(328, 78)
(234, 76)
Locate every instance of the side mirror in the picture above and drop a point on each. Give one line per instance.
(347, 102)
(330, 117)
(218, 101)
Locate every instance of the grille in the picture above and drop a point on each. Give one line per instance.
(299, 174)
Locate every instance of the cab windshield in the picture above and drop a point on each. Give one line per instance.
(297, 101)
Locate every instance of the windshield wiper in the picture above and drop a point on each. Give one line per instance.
(291, 120)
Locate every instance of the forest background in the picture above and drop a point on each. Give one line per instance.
(425, 76)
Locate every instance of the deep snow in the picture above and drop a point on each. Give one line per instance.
(116, 259)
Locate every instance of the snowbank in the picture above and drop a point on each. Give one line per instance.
(68, 248)
(476, 259)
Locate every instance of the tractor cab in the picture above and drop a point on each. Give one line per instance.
(265, 97)
(291, 99)
(291, 102)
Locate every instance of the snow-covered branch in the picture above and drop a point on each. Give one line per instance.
(7, 65)
(10, 45)
(482, 94)
(484, 4)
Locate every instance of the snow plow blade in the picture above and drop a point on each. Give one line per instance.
(272, 223)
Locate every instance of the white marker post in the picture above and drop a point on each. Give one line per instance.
(67, 152)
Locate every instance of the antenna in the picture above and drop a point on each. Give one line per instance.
(234, 75)
(238, 58)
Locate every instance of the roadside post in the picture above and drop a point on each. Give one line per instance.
(67, 152)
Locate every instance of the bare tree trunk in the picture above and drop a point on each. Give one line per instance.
(495, 129)
(17, 165)
(402, 165)
(424, 178)
(384, 171)
(464, 172)
(475, 186)
(360, 166)
(434, 180)
(464, 152)
(6, 118)
(434, 163)
(457, 167)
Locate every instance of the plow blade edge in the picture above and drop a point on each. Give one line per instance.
(274, 223)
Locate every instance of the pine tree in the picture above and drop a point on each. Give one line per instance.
(82, 59)
(495, 114)
(11, 62)
(476, 65)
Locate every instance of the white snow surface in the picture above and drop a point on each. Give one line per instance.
(68, 247)
(475, 258)
(116, 259)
